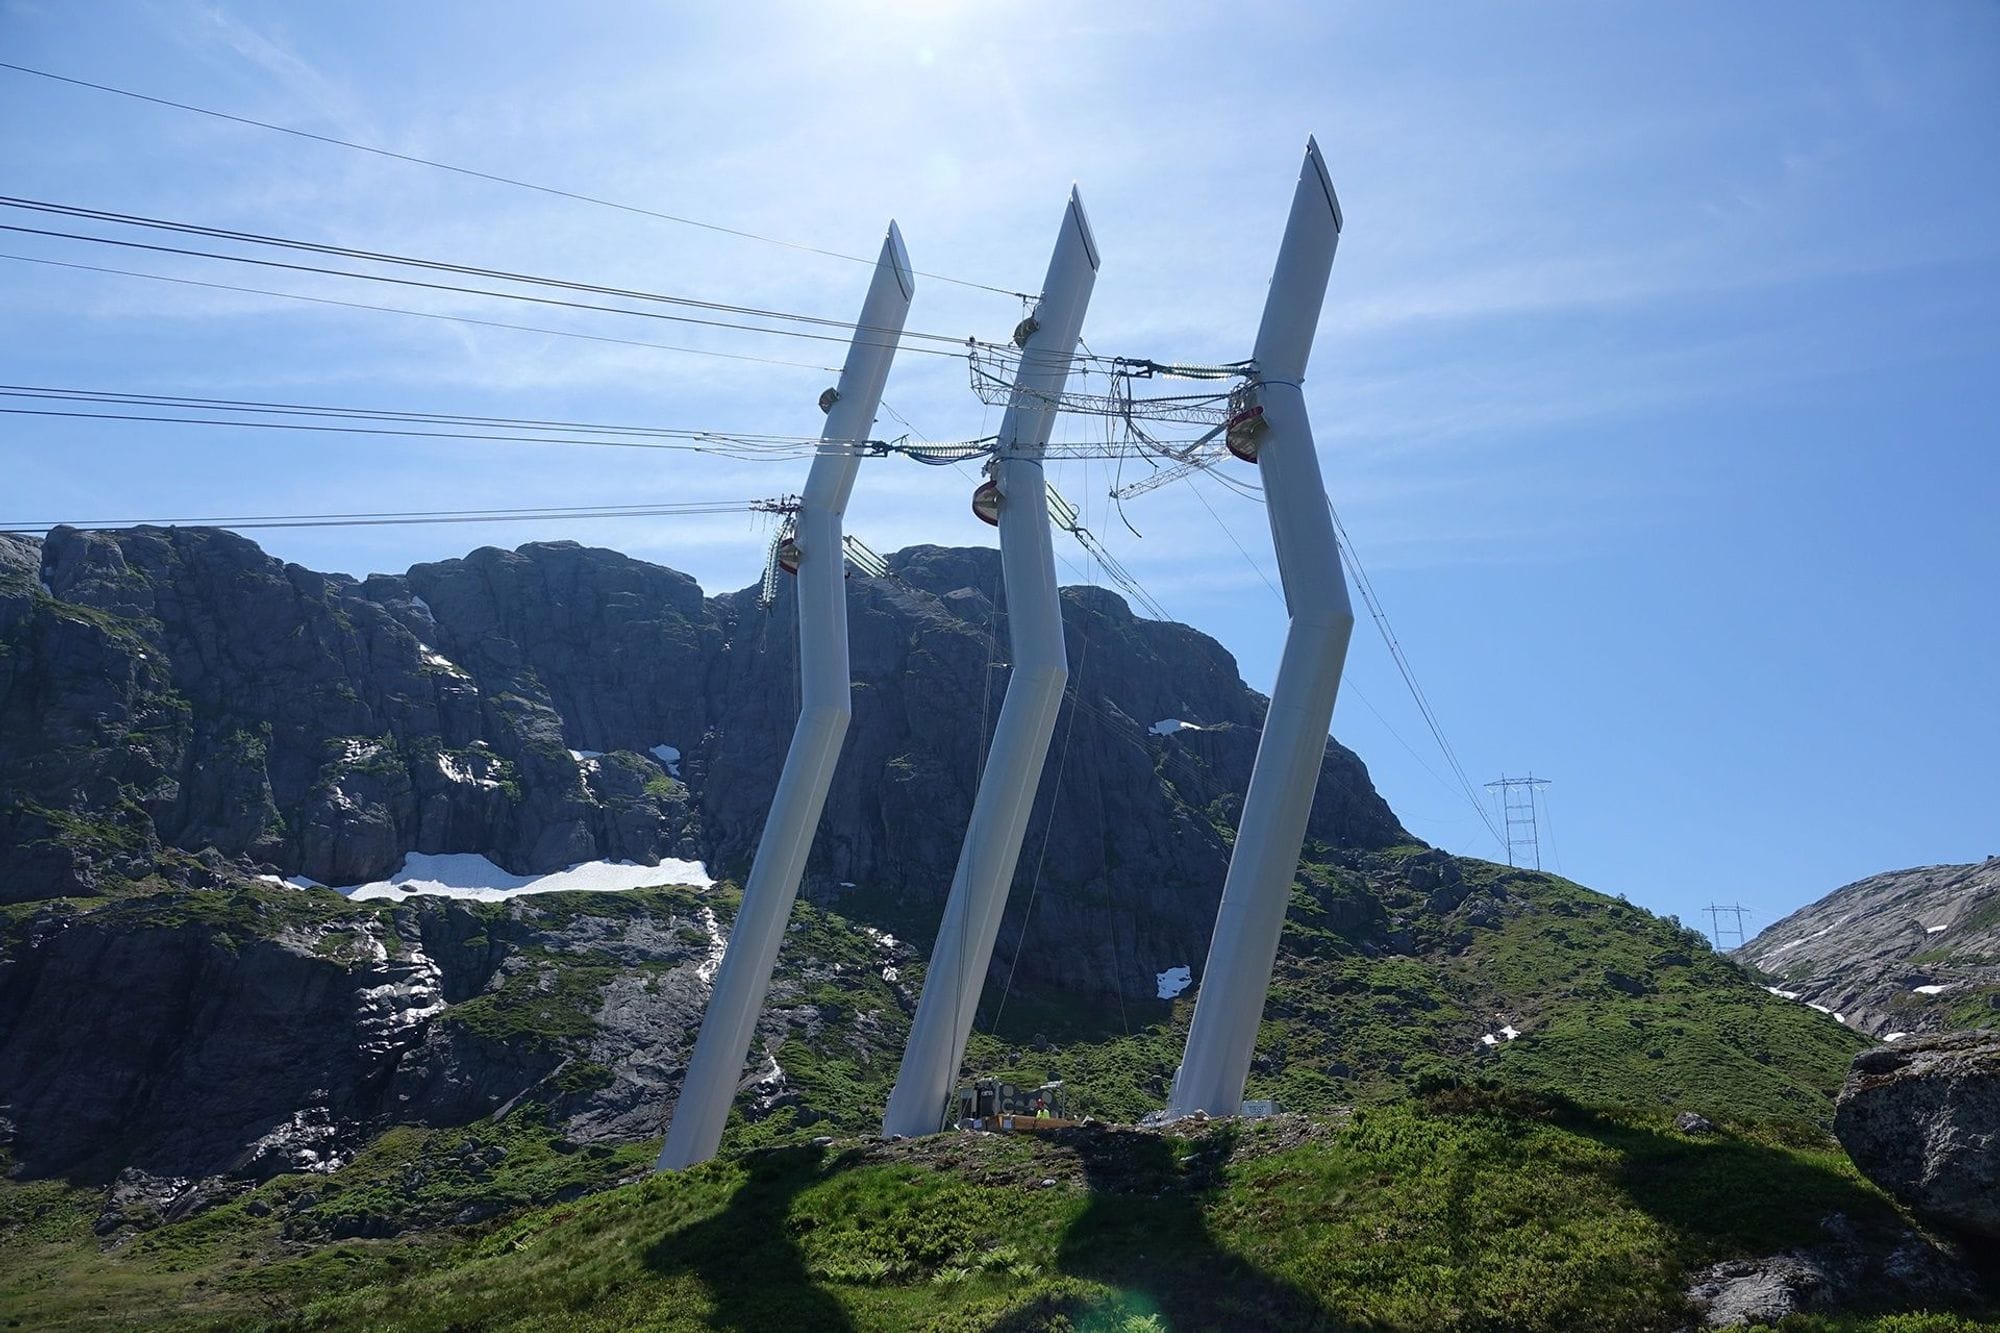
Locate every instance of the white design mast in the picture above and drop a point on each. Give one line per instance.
(716, 1068)
(1027, 721)
(1230, 1003)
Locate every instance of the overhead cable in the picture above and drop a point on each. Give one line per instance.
(1120, 368)
(425, 314)
(546, 514)
(83, 214)
(492, 177)
(1380, 616)
(478, 291)
(179, 410)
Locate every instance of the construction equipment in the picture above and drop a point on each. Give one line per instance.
(995, 1104)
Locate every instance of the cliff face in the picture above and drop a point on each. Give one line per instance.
(184, 721)
(180, 714)
(171, 690)
(1909, 951)
(245, 1032)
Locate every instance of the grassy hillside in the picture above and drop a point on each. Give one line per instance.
(1467, 1209)
(1382, 984)
(1432, 1206)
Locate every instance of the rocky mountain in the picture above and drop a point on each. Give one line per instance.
(177, 690)
(186, 724)
(1896, 954)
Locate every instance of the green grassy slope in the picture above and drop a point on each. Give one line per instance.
(1465, 1210)
(1377, 989)
(1408, 1217)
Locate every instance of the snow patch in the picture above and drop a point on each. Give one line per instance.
(1173, 981)
(292, 881)
(1929, 990)
(890, 974)
(1488, 1039)
(669, 757)
(1932, 930)
(432, 657)
(1895, 1036)
(1783, 994)
(1167, 726)
(470, 875)
(585, 756)
(1509, 1032)
(1803, 939)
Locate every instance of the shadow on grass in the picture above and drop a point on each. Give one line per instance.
(745, 1255)
(1727, 1194)
(1145, 1234)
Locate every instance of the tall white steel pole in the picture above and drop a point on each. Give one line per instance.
(1027, 719)
(716, 1067)
(1237, 975)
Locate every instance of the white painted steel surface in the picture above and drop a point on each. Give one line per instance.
(1233, 983)
(1027, 719)
(716, 1068)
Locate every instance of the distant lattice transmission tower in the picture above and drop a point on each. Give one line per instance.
(1716, 930)
(1517, 808)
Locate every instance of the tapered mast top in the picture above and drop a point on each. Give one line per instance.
(1298, 283)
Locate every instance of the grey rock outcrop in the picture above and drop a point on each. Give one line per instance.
(1922, 1120)
(1905, 952)
(190, 1035)
(1852, 1268)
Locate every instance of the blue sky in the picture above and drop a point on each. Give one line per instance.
(1656, 385)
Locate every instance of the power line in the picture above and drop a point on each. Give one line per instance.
(376, 519)
(739, 445)
(423, 314)
(1346, 685)
(82, 214)
(177, 402)
(372, 413)
(959, 344)
(1366, 587)
(481, 291)
(493, 177)
(718, 444)
(1548, 831)
(1352, 561)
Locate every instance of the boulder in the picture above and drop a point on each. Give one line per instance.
(1922, 1120)
(1850, 1268)
(1759, 1291)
